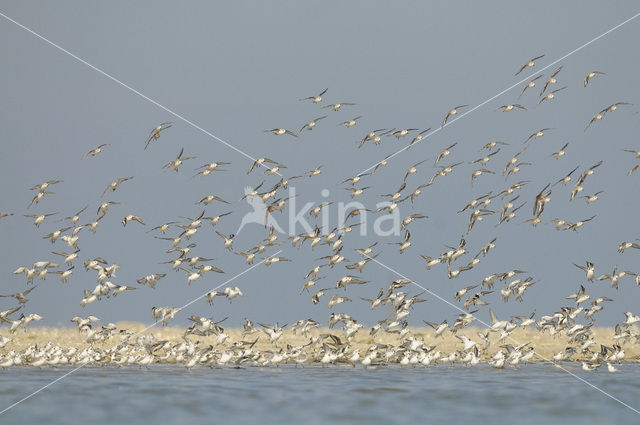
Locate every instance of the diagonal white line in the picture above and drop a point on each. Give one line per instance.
(504, 91)
(131, 336)
(114, 79)
(510, 337)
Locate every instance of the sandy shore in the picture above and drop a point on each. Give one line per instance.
(544, 344)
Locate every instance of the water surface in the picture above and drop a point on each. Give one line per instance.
(534, 393)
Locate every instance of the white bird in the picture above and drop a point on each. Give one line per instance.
(131, 217)
(155, 133)
(232, 293)
(228, 241)
(39, 218)
(630, 319)
(273, 332)
(626, 245)
(317, 98)
(468, 344)
(96, 151)
(529, 64)
(590, 75)
(588, 269)
(281, 131)
(115, 184)
(451, 113)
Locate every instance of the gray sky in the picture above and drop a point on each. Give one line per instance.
(236, 69)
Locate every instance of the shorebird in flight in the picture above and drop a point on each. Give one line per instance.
(451, 113)
(589, 270)
(228, 241)
(561, 152)
(176, 163)
(349, 280)
(529, 64)
(151, 279)
(164, 313)
(537, 134)
(401, 133)
(209, 168)
(630, 319)
(406, 243)
(260, 161)
(132, 217)
(636, 167)
(551, 80)
(578, 224)
(317, 98)
(419, 136)
(68, 257)
(42, 186)
(566, 179)
(513, 161)
(626, 245)
(163, 227)
(209, 199)
(531, 84)
(510, 107)
(592, 198)
(155, 133)
(370, 136)
(310, 125)
(337, 106)
(550, 95)
(114, 185)
(351, 122)
(542, 198)
(410, 219)
(412, 170)
(492, 145)
(96, 151)
(600, 115)
(4, 314)
(74, 218)
(273, 332)
(613, 107)
(596, 117)
(311, 282)
(445, 153)
(21, 296)
(636, 153)
(615, 277)
(38, 197)
(580, 296)
(438, 327)
(39, 218)
(477, 173)
(590, 75)
(103, 208)
(281, 131)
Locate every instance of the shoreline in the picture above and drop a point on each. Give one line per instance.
(64, 342)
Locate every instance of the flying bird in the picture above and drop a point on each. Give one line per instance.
(96, 151)
(590, 75)
(155, 133)
(529, 64)
(317, 98)
(531, 84)
(451, 113)
(281, 131)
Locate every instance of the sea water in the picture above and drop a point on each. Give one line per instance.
(530, 394)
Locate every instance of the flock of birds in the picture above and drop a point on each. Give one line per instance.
(206, 342)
